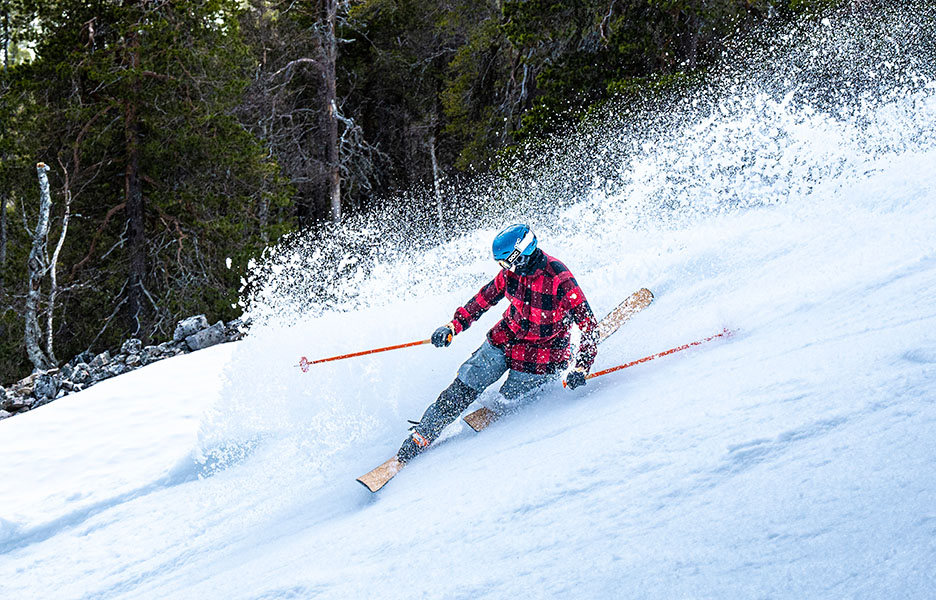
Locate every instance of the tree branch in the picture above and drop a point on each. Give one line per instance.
(299, 61)
(94, 240)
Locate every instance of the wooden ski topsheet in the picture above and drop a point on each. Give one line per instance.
(480, 418)
(634, 303)
(377, 478)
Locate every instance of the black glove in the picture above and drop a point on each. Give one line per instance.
(574, 379)
(442, 336)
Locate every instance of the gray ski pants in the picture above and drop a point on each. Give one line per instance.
(485, 366)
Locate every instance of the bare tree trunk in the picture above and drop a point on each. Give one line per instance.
(6, 37)
(35, 269)
(3, 195)
(436, 180)
(264, 210)
(331, 122)
(263, 213)
(53, 289)
(691, 45)
(3, 237)
(135, 210)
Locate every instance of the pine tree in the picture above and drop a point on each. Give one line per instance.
(132, 104)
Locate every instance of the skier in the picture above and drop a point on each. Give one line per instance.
(532, 339)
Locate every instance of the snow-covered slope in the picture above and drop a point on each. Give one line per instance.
(793, 460)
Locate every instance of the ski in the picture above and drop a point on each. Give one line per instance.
(379, 477)
(633, 304)
(481, 418)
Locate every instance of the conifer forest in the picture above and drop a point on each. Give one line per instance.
(149, 149)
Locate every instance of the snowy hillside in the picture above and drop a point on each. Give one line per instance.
(793, 460)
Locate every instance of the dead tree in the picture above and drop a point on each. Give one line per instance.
(297, 112)
(332, 161)
(3, 238)
(6, 37)
(53, 278)
(133, 195)
(436, 180)
(36, 269)
(3, 194)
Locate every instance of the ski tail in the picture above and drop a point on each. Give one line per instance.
(376, 479)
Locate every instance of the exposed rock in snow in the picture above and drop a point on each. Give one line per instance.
(86, 369)
(206, 337)
(189, 326)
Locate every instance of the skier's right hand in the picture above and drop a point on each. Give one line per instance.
(443, 336)
(575, 378)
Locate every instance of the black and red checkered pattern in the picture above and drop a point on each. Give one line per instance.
(534, 331)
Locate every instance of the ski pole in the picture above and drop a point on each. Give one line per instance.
(305, 362)
(726, 332)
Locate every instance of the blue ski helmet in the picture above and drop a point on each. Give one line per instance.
(513, 245)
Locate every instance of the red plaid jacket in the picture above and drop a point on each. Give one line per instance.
(534, 331)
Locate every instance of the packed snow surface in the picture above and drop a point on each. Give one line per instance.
(794, 459)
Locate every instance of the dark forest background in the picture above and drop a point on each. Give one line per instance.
(183, 137)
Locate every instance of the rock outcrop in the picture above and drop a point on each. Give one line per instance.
(87, 369)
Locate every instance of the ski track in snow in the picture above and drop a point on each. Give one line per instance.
(791, 460)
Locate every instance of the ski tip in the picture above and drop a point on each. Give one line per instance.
(368, 486)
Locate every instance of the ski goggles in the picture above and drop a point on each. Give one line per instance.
(516, 259)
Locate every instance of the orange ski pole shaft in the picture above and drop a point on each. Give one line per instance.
(305, 362)
(726, 332)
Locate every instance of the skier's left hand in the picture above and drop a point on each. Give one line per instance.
(443, 336)
(575, 378)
